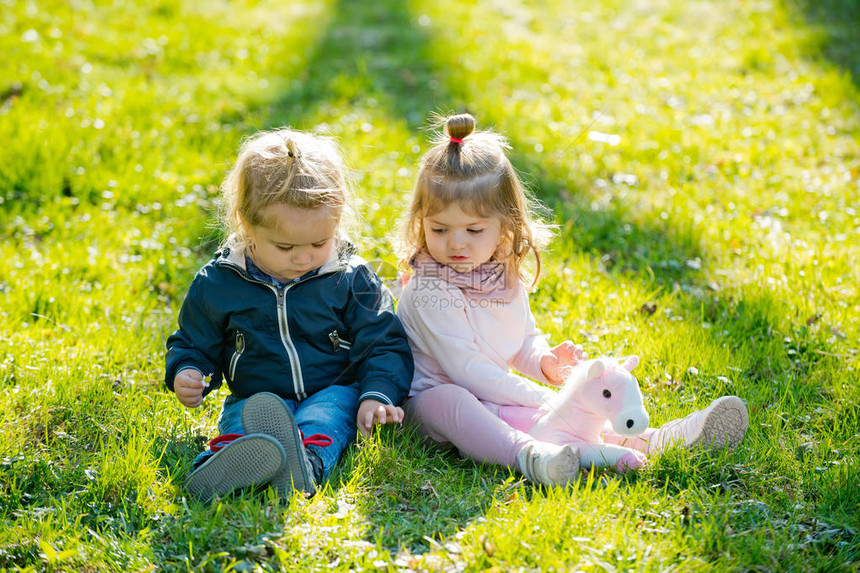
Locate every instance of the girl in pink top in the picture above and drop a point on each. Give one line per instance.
(467, 234)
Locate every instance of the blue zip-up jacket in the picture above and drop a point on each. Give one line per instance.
(335, 327)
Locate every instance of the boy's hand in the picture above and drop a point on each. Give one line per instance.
(372, 412)
(558, 364)
(189, 386)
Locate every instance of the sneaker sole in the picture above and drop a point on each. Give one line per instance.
(725, 425)
(265, 413)
(249, 460)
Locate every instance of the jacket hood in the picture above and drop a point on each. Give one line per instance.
(233, 253)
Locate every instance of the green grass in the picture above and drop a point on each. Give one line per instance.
(716, 236)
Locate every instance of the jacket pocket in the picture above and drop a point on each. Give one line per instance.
(237, 353)
(337, 342)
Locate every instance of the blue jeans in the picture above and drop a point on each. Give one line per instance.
(331, 411)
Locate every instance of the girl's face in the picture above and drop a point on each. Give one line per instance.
(296, 240)
(460, 240)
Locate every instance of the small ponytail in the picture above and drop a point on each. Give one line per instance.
(292, 147)
(292, 158)
(459, 127)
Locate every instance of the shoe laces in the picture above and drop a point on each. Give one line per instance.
(316, 440)
(224, 440)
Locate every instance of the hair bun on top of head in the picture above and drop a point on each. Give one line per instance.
(460, 126)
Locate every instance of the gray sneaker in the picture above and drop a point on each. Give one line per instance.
(248, 461)
(549, 464)
(266, 413)
(722, 424)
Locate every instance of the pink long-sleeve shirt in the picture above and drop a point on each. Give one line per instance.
(473, 343)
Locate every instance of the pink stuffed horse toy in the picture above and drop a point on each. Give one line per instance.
(599, 394)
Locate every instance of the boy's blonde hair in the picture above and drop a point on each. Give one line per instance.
(470, 168)
(282, 166)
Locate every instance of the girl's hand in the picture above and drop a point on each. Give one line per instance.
(559, 363)
(189, 386)
(372, 412)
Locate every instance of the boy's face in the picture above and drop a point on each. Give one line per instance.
(460, 240)
(294, 241)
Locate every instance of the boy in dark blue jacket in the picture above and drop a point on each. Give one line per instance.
(300, 327)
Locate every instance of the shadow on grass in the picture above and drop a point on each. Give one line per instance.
(783, 357)
(839, 24)
(413, 491)
(177, 453)
(372, 55)
(375, 55)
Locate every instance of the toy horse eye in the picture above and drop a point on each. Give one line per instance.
(607, 394)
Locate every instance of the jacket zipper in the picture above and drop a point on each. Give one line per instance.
(337, 342)
(240, 348)
(284, 328)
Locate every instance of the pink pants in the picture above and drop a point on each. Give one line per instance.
(451, 415)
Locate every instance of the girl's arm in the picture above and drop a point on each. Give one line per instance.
(380, 349)
(439, 321)
(535, 347)
(197, 343)
(537, 360)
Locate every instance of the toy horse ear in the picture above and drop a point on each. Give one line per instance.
(630, 362)
(596, 369)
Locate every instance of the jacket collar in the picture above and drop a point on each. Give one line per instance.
(233, 254)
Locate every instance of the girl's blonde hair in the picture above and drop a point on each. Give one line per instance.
(282, 166)
(470, 168)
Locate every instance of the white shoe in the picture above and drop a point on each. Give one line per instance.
(722, 424)
(548, 464)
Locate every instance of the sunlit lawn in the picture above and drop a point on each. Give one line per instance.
(701, 160)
